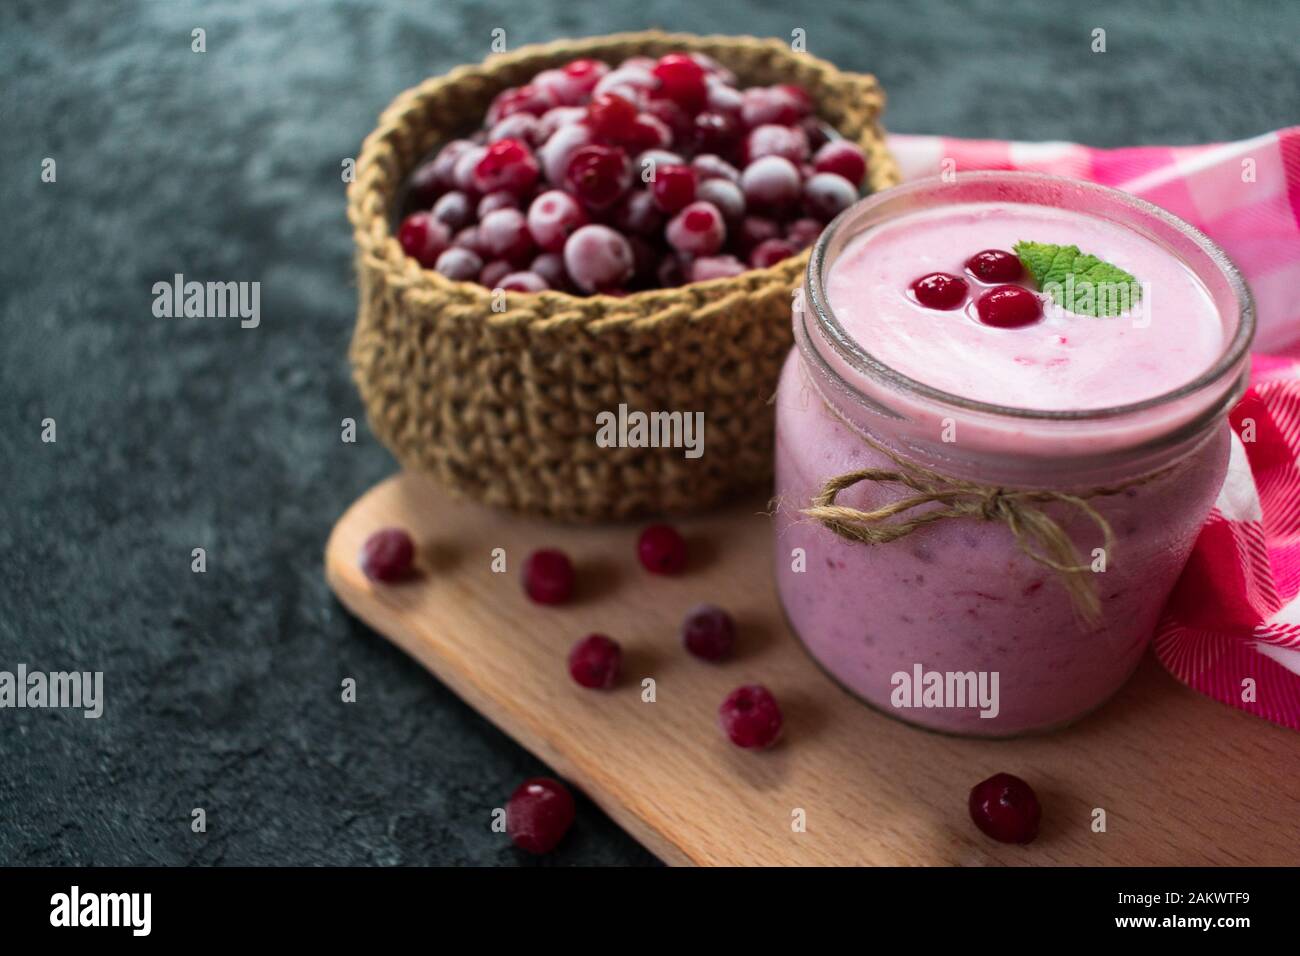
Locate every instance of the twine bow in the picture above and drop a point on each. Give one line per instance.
(1039, 535)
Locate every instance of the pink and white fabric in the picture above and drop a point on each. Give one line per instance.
(1232, 628)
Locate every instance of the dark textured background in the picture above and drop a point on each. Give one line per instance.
(223, 688)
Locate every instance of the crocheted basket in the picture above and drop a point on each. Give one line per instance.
(501, 406)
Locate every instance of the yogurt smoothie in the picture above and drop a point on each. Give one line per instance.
(1009, 399)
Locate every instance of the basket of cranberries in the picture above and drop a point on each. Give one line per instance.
(571, 228)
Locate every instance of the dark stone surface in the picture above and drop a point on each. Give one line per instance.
(223, 688)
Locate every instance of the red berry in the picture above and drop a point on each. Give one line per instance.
(594, 662)
(769, 252)
(789, 142)
(709, 166)
(677, 120)
(501, 199)
(538, 815)
(673, 187)
(715, 267)
(638, 214)
(504, 232)
(387, 555)
(662, 549)
(939, 290)
(1005, 808)
(550, 266)
(724, 194)
(598, 175)
(715, 132)
(771, 182)
(598, 259)
(1008, 307)
(750, 717)
(648, 132)
(709, 633)
(842, 158)
(523, 99)
(586, 73)
(507, 164)
(548, 576)
(453, 210)
(803, 232)
(698, 229)
(558, 150)
(494, 272)
(553, 217)
(770, 104)
(462, 175)
(995, 265)
(423, 238)
(610, 116)
(756, 229)
(681, 79)
(553, 119)
(460, 264)
(523, 282)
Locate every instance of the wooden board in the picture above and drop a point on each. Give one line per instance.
(1183, 779)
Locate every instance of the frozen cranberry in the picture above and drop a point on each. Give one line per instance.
(594, 662)
(724, 194)
(803, 232)
(698, 229)
(648, 132)
(750, 717)
(494, 272)
(550, 266)
(769, 252)
(1008, 307)
(673, 116)
(769, 139)
(673, 188)
(769, 104)
(501, 199)
(815, 131)
(771, 183)
(523, 282)
(459, 264)
(645, 260)
(539, 814)
(507, 164)
(548, 576)
(714, 71)
(842, 158)
(722, 98)
(523, 127)
(709, 633)
(423, 187)
(826, 195)
(505, 235)
(681, 79)
(715, 267)
(711, 166)
(630, 82)
(756, 229)
(939, 290)
(387, 555)
(552, 217)
(638, 214)
(598, 175)
(670, 273)
(557, 151)
(995, 265)
(469, 238)
(423, 238)
(662, 549)
(1005, 808)
(714, 132)
(523, 99)
(442, 169)
(597, 258)
(463, 173)
(553, 119)
(610, 116)
(453, 210)
(648, 164)
(585, 73)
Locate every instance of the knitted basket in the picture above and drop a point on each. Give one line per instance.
(501, 406)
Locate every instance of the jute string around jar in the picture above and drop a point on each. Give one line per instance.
(1037, 534)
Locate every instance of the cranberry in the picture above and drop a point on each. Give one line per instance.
(453, 210)
(470, 238)
(673, 188)
(538, 815)
(995, 265)
(756, 229)
(610, 116)
(387, 555)
(709, 166)
(462, 176)
(769, 252)
(1008, 307)
(715, 132)
(715, 267)
(797, 99)
(552, 120)
(772, 140)
(662, 549)
(750, 717)
(504, 233)
(550, 266)
(670, 273)
(698, 229)
(424, 186)
(507, 164)
(423, 238)
(598, 258)
(771, 182)
(548, 576)
(648, 132)
(725, 195)
(585, 73)
(442, 169)
(523, 282)
(817, 136)
(494, 272)
(722, 98)
(709, 633)
(459, 264)
(842, 158)
(769, 104)
(1005, 808)
(523, 99)
(677, 120)
(681, 79)
(557, 151)
(552, 217)
(939, 290)
(598, 175)
(826, 195)
(594, 662)
(803, 232)
(638, 214)
(501, 199)
(630, 82)
(523, 127)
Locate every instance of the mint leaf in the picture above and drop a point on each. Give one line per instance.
(1078, 282)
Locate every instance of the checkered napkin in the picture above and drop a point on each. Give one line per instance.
(1232, 627)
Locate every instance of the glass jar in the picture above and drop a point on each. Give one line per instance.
(953, 626)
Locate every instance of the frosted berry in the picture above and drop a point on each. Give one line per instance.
(556, 153)
(751, 718)
(709, 633)
(550, 266)
(506, 164)
(522, 99)
(661, 549)
(504, 233)
(842, 158)
(459, 264)
(598, 258)
(594, 662)
(501, 199)
(826, 195)
(673, 187)
(771, 182)
(453, 210)
(552, 218)
(698, 229)
(423, 238)
(715, 267)
(638, 214)
(769, 252)
(598, 175)
(725, 195)
(494, 272)
(789, 142)
(523, 282)
(711, 166)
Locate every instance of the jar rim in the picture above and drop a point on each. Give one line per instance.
(862, 361)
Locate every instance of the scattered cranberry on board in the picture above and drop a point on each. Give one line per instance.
(1005, 808)
(549, 576)
(751, 717)
(388, 555)
(539, 814)
(662, 549)
(709, 633)
(594, 662)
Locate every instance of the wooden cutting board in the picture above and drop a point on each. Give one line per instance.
(1182, 779)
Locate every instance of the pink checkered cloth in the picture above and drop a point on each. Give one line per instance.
(1231, 629)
